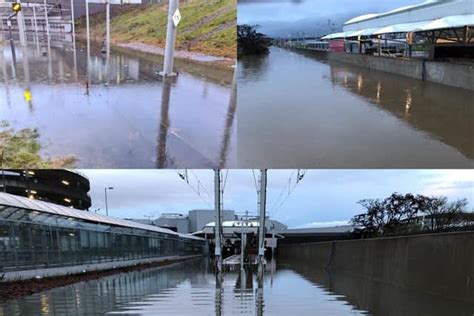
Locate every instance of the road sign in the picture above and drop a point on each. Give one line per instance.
(176, 18)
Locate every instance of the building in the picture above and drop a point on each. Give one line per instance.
(174, 221)
(200, 218)
(63, 187)
(38, 238)
(442, 27)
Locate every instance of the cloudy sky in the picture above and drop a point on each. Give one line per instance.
(280, 17)
(321, 198)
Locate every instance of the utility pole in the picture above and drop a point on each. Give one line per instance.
(35, 20)
(88, 34)
(3, 171)
(106, 202)
(47, 34)
(173, 20)
(21, 27)
(107, 39)
(218, 218)
(74, 38)
(263, 197)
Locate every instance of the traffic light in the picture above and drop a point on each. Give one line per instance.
(16, 7)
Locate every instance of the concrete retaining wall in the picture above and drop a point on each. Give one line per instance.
(58, 271)
(450, 74)
(440, 264)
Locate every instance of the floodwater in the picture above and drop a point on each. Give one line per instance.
(120, 113)
(296, 109)
(189, 288)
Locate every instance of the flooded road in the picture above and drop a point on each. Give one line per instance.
(189, 288)
(120, 113)
(298, 110)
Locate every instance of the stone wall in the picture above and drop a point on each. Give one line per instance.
(460, 75)
(439, 264)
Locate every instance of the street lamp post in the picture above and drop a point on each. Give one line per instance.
(106, 204)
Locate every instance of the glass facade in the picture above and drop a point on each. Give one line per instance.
(33, 239)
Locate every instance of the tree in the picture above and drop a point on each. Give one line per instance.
(400, 214)
(441, 213)
(251, 42)
(373, 221)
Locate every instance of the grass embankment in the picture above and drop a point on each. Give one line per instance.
(20, 149)
(207, 26)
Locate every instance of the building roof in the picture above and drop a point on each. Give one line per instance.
(454, 21)
(426, 16)
(10, 200)
(318, 230)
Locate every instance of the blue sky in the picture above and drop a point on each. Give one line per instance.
(322, 198)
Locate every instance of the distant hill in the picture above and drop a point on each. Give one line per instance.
(207, 26)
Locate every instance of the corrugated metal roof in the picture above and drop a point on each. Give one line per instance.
(46, 207)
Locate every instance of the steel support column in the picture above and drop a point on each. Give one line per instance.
(218, 218)
(261, 229)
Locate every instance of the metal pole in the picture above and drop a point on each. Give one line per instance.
(170, 40)
(88, 35)
(49, 38)
(3, 172)
(261, 230)
(218, 223)
(74, 38)
(12, 42)
(21, 27)
(107, 39)
(106, 205)
(35, 20)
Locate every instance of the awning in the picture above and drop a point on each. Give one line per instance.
(454, 21)
(450, 22)
(401, 28)
(334, 36)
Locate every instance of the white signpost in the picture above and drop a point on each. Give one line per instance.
(176, 18)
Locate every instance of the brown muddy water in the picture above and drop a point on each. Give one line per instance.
(298, 110)
(127, 116)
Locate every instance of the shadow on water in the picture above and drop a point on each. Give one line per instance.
(117, 112)
(378, 297)
(331, 115)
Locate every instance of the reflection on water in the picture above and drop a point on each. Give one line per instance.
(191, 288)
(118, 112)
(299, 110)
(382, 298)
(187, 289)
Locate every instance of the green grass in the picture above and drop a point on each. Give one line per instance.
(215, 33)
(21, 150)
